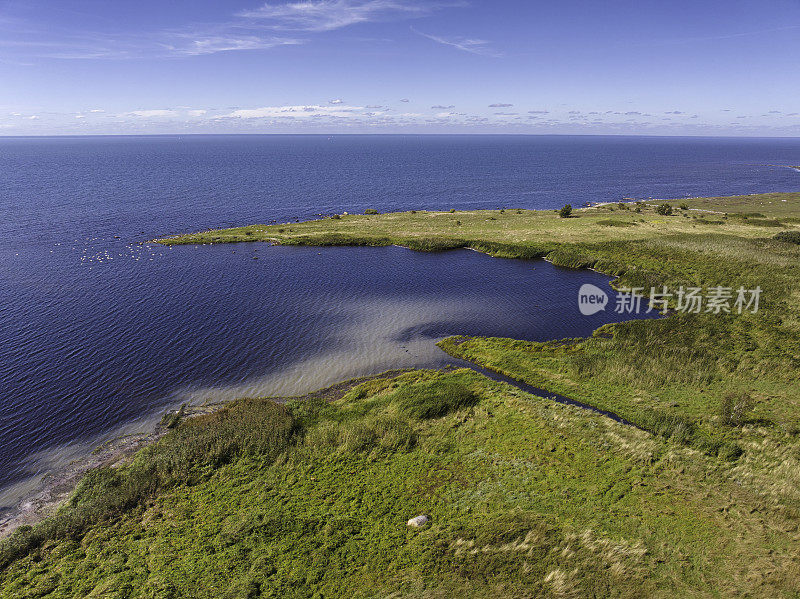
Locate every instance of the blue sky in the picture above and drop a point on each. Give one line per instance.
(400, 66)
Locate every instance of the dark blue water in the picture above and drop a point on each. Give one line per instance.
(98, 334)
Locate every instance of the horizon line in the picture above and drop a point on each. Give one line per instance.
(504, 134)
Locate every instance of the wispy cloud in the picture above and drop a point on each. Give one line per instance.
(293, 111)
(151, 113)
(192, 45)
(326, 15)
(729, 36)
(269, 26)
(471, 45)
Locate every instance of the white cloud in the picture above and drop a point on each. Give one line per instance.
(293, 111)
(221, 43)
(151, 113)
(33, 117)
(336, 101)
(471, 45)
(197, 112)
(249, 30)
(500, 105)
(326, 15)
(97, 110)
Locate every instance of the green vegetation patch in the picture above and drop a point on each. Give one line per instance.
(789, 237)
(525, 497)
(612, 222)
(434, 400)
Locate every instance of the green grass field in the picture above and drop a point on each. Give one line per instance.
(527, 498)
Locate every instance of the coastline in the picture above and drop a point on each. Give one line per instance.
(55, 488)
(682, 478)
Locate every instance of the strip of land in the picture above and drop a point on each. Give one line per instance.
(525, 497)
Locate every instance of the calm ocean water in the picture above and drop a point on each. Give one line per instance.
(99, 335)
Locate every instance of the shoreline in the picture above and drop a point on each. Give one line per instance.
(55, 488)
(695, 480)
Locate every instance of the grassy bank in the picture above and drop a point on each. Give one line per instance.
(512, 229)
(525, 498)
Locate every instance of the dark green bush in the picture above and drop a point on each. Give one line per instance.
(765, 222)
(664, 209)
(610, 222)
(788, 236)
(370, 211)
(566, 211)
(434, 399)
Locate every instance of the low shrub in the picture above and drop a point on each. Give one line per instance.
(765, 222)
(370, 211)
(434, 399)
(566, 211)
(788, 237)
(664, 209)
(610, 222)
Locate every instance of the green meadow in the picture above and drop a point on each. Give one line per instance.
(525, 497)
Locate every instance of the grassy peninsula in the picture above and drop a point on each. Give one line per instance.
(525, 497)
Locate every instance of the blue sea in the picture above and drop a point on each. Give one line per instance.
(101, 332)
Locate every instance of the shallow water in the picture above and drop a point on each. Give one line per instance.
(99, 334)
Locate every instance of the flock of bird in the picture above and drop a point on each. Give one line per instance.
(131, 251)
